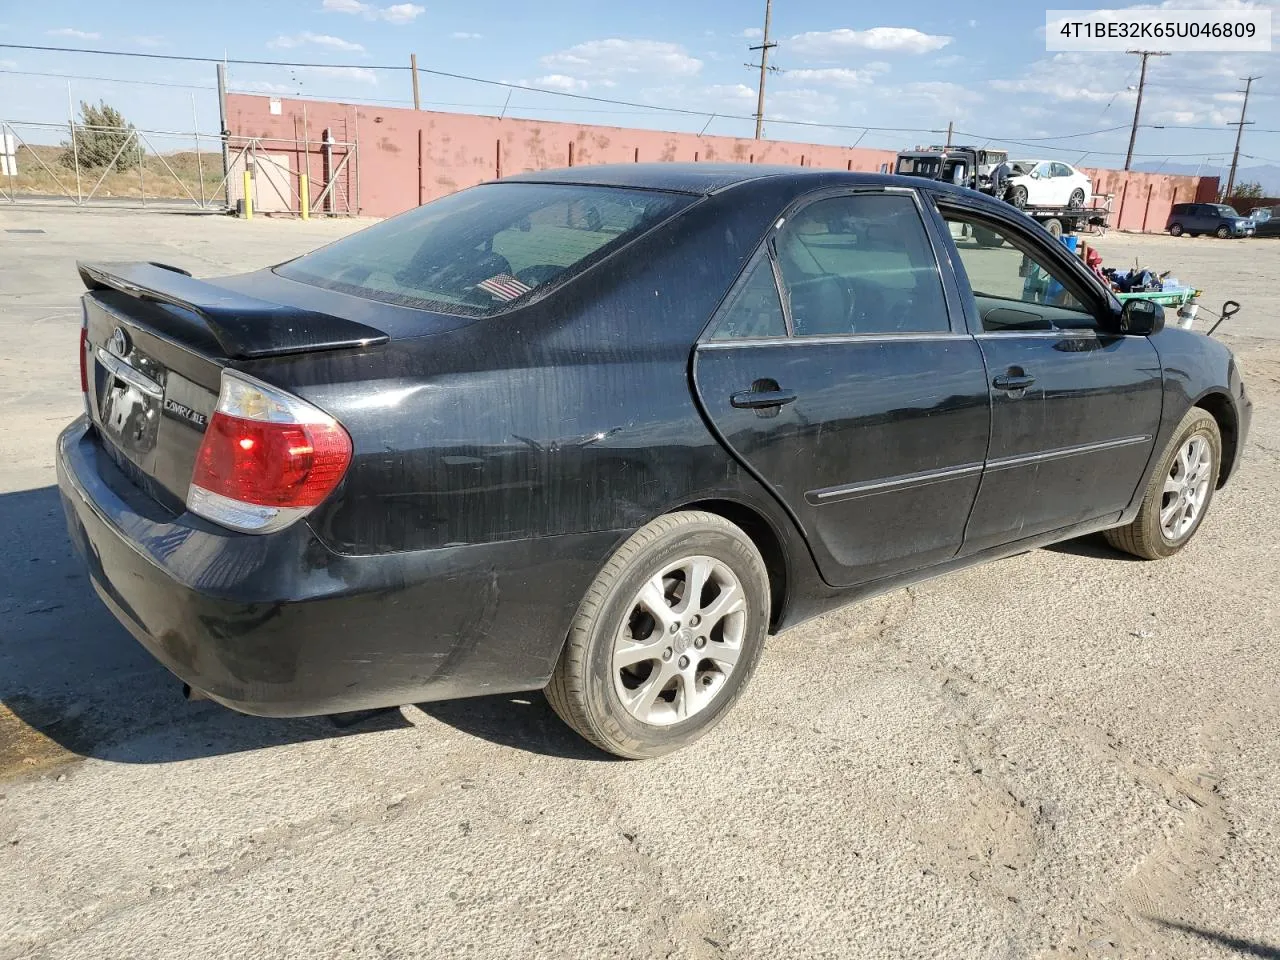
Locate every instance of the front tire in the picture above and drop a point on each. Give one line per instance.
(1222, 233)
(1018, 197)
(666, 638)
(1179, 492)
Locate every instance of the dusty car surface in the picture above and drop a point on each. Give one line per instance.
(603, 430)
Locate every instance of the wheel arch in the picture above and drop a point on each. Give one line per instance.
(768, 540)
(1217, 403)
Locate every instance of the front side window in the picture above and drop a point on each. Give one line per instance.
(1013, 288)
(479, 251)
(860, 265)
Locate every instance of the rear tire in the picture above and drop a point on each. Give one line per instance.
(1179, 492)
(649, 667)
(1077, 199)
(1054, 226)
(1175, 229)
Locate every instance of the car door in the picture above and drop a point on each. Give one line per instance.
(1064, 182)
(1075, 407)
(853, 395)
(1203, 218)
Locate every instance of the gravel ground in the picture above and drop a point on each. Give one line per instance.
(1063, 754)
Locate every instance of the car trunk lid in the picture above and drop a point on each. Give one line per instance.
(156, 341)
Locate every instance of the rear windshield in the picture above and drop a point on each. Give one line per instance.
(484, 250)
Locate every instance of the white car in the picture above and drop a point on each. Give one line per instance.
(1047, 183)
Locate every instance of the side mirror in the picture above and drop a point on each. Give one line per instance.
(1141, 318)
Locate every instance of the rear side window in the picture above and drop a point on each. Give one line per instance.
(481, 251)
(860, 265)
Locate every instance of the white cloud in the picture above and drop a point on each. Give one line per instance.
(605, 58)
(558, 81)
(355, 74)
(463, 35)
(733, 92)
(74, 34)
(396, 13)
(833, 76)
(751, 33)
(886, 39)
(307, 38)
(400, 13)
(262, 86)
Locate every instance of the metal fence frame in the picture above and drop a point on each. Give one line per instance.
(336, 193)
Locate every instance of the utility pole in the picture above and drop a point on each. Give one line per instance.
(223, 132)
(1137, 107)
(764, 48)
(950, 127)
(413, 69)
(1239, 125)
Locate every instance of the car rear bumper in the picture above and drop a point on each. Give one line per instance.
(279, 625)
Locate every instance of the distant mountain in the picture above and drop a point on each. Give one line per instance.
(1268, 175)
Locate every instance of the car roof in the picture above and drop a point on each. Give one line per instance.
(703, 178)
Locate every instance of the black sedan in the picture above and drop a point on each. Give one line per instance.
(602, 430)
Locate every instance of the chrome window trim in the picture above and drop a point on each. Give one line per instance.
(832, 339)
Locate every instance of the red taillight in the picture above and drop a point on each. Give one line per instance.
(267, 458)
(84, 360)
(271, 464)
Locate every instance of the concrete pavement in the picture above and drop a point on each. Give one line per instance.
(1063, 754)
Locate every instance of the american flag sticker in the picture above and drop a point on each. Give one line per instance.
(504, 286)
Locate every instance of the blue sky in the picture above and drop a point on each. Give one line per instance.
(916, 64)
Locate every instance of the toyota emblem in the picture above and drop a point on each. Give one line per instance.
(119, 343)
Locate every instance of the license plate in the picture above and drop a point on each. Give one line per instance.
(130, 418)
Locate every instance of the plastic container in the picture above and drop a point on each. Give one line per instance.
(1070, 241)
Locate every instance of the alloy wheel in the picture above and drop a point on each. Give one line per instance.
(1186, 488)
(680, 641)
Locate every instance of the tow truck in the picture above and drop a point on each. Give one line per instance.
(971, 166)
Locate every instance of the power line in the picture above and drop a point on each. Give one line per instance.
(77, 76)
(1041, 142)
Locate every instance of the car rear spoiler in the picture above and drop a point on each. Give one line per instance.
(246, 328)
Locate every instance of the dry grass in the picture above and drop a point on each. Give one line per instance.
(153, 181)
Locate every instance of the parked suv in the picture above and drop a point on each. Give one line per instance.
(1216, 218)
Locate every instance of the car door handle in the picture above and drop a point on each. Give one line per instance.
(760, 399)
(1013, 382)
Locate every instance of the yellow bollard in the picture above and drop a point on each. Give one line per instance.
(304, 195)
(248, 196)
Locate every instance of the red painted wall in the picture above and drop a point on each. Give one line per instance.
(411, 156)
(460, 150)
(1143, 200)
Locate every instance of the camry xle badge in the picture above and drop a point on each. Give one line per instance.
(119, 343)
(183, 412)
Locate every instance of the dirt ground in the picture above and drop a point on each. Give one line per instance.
(1064, 754)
